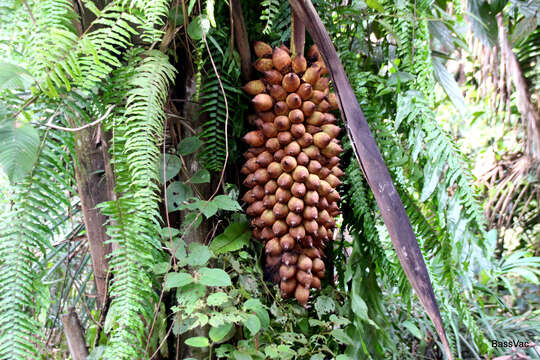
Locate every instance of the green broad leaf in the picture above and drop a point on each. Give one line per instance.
(172, 165)
(226, 203)
(241, 355)
(343, 357)
(197, 341)
(210, 4)
(19, 146)
(199, 254)
(190, 6)
(527, 274)
(189, 145)
(197, 27)
(286, 352)
(449, 84)
(217, 299)
(358, 305)
(192, 221)
(209, 209)
(432, 176)
(315, 323)
(176, 16)
(14, 77)
(413, 329)
(339, 320)
(174, 280)
(523, 29)
(317, 356)
(375, 5)
(200, 177)
(271, 351)
(214, 277)
(253, 324)
(190, 293)
(235, 237)
(177, 194)
(324, 305)
(341, 337)
(168, 232)
(183, 325)
(483, 22)
(202, 320)
(256, 306)
(179, 251)
(161, 268)
(218, 333)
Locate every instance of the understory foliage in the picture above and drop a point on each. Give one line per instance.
(184, 277)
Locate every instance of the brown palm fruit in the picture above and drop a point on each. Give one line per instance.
(316, 283)
(277, 92)
(272, 247)
(312, 54)
(305, 140)
(280, 210)
(290, 82)
(262, 102)
(302, 159)
(296, 116)
(308, 107)
(312, 74)
(293, 219)
(299, 64)
(254, 87)
(287, 271)
(266, 116)
(292, 167)
(310, 213)
(270, 187)
(263, 65)
(262, 49)
(283, 195)
(288, 288)
(287, 242)
(301, 293)
(281, 108)
(304, 91)
(284, 137)
(289, 258)
(267, 234)
(279, 155)
(269, 201)
(293, 149)
(297, 130)
(281, 59)
(304, 263)
(293, 100)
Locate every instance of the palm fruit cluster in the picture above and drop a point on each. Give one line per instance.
(291, 166)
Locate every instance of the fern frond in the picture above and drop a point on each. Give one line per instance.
(51, 51)
(134, 216)
(213, 102)
(101, 48)
(38, 203)
(269, 14)
(154, 14)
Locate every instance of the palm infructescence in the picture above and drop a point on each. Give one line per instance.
(120, 121)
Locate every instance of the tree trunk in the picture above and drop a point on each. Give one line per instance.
(94, 184)
(241, 38)
(195, 121)
(95, 179)
(525, 104)
(74, 335)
